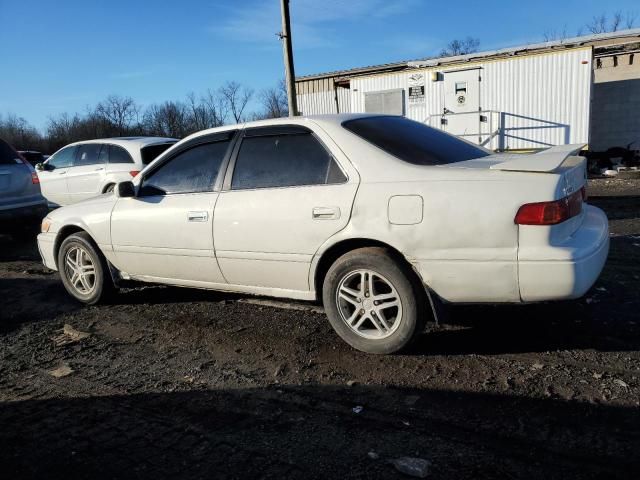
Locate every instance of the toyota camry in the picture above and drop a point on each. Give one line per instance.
(379, 217)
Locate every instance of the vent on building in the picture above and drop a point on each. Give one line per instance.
(389, 102)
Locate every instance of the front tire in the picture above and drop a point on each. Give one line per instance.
(83, 270)
(373, 301)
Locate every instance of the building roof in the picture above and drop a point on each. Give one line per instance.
(584, 40)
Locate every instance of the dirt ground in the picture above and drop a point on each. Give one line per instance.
(176, 383)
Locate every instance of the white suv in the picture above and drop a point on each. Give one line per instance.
(85, 169)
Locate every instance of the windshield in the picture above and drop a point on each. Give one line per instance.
(414, 142)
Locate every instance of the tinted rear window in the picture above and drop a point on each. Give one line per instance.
(119, 155)
(151, 152)
(7, 154)
(413, 142)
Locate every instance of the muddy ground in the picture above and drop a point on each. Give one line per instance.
(175, 383)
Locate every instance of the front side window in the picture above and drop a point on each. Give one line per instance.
(88, 154)
(283, 161)
(414, 142)
(191, 171)
(64, 158)
(119, 155)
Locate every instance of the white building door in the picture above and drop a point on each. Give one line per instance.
(462, 103)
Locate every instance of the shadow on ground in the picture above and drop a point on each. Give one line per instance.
(312, 432)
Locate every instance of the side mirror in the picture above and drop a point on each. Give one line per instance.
(125, 190)
(40, 166)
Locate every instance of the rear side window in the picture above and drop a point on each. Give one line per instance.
(191, 171)
(414, 142)
(119, 155)
(284, 161)
(7, 154)
(88, 154)
(151, 152)
(64, 158)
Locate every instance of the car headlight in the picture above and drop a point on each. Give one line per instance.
(45, 225)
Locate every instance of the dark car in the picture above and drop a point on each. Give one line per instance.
(22, 206)
(32, 156)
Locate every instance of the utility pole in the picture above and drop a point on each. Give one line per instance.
(287, 50)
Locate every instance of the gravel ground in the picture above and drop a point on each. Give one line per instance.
(166, 382)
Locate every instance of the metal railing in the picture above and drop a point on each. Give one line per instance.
(489, 117)
(503, 127)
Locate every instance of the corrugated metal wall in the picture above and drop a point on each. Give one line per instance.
(538, 100)
(322, 96)
(542, 100)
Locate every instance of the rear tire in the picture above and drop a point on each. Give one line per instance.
(109, 188)
(83, 269)
(373, 301)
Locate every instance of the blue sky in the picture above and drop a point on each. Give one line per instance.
(64, 55)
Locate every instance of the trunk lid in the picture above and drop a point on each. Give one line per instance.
(562, 160)
(560, 164)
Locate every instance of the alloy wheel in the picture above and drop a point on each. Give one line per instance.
(369, 304)
(80, 270)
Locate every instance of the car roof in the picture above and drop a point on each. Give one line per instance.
(335, 119)
(129, 142)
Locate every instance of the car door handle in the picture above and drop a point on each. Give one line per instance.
(98, 169)
(197, 216)
(325, 213)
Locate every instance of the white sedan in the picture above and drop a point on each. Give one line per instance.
(377, 216)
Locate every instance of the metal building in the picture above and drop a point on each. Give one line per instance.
(520, 98)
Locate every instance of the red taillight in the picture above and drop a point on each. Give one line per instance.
(551, 213)
(34, 178)
(133, 173)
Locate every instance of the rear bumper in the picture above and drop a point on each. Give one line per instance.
(20, 218)
(569, 269)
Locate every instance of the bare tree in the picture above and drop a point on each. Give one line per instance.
(461, 47)
(598, 24)
(551, 35)
(206, 112)
(216, 107)
(19, 133)
(274, 102)
(616, 21)
(630, 20)
(168, 119)
(121, 112)
(236, 98)
(602, 24)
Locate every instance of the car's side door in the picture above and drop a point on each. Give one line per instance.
(286, 192)
(85, 178)
(53, 176)
(164, 233)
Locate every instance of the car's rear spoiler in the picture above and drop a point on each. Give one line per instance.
(545, 161)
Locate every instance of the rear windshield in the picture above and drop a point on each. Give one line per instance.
(7, 154)
(412, 141)
(33, 157)
(151, 152)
